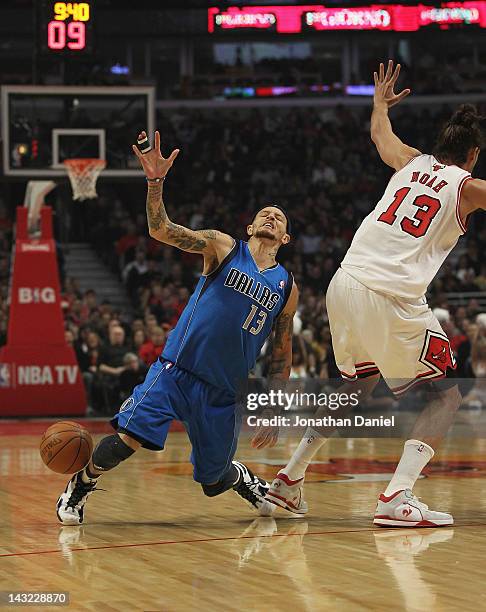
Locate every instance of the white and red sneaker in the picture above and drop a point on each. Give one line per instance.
(403, 509)
(288, 494)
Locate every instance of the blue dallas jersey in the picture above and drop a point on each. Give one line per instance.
(228, 318)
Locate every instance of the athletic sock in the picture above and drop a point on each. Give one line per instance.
(304, 453)
(87, 476)
(415, 457)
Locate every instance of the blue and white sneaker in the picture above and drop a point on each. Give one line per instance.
(253, 490)
(70, 506)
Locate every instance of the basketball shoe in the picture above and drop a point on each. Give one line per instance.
(403, 509)
(70, 505)
(252, 489)
(288, 494)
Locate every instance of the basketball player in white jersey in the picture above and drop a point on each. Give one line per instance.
(379, 318)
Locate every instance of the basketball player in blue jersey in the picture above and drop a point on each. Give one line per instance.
(242, 295)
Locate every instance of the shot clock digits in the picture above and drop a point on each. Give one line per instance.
(66, 27)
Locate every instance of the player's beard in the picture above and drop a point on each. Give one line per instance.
(264, 233)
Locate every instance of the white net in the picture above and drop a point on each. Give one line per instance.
(83, 174)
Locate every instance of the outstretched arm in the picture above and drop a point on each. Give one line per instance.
(473, 197)
(391, 149)
(212, 244)
(280, 362)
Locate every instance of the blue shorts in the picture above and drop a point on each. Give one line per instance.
(208, 414)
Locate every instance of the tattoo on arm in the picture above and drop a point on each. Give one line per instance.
(281, 361)
(182, 237)
(189, 240)
(156, 213)
(283, 329)
(279, 368)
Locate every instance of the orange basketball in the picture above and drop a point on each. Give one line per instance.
(66, 447)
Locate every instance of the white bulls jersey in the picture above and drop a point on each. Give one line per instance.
(402, 243)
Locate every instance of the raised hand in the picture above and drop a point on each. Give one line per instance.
(153, 164)
(384, 86)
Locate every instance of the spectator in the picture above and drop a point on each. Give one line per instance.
(133, 374)
(135, 274)
(88, 353)
(111, 355)
(139, 338)
(111, 366)
(127, 243)
(151, 350)
(150, 322)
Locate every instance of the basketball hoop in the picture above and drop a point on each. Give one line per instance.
(83, 174)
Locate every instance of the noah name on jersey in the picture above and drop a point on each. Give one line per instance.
(427, 181)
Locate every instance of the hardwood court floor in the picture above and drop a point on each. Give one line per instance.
(152, 541)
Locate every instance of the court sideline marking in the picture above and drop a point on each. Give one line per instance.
(229, 538)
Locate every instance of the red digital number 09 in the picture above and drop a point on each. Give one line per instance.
(58, 33)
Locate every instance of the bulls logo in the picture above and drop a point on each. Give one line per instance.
(437, 352)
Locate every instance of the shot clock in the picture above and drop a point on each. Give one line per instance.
(66, 28)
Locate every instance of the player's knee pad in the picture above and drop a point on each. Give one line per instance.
(225, 483)
(110, 452)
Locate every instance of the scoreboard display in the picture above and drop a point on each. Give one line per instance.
(301, 19)
(66, 28)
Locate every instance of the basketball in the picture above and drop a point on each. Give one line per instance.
(66, 447)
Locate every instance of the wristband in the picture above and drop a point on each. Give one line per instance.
(155, 180)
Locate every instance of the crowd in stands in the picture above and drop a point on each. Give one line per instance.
(446, 74)
(113, 353)
(427, 74)
(317, 163)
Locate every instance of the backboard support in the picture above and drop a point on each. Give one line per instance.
(41, 126)
(34, 200)
(60, 153)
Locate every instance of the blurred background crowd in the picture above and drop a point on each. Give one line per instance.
(317, 163)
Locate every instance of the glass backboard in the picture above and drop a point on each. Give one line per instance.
(42, 126)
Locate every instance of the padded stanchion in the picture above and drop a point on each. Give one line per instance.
(39, 374)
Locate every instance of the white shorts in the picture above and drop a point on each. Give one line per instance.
(375, 333)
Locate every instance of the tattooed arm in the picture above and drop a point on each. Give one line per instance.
(212, 244)
(280, 365)
(281, 359)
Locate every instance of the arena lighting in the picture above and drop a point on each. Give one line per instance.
(119, 69)
(305, 18)
(360, 90)
(275, 91)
